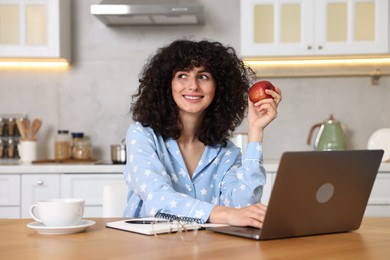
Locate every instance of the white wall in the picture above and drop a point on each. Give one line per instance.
(94, 95)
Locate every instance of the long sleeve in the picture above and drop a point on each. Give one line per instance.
(242, 184)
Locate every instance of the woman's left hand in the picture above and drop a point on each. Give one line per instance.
(252, 215)
(261, 113)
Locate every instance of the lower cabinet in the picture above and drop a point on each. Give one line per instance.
(9, 196)
(19, 191)
(37, 187)
(268, 188)
(379, 202)
(88, 187)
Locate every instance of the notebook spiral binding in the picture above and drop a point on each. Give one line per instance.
(183, 219)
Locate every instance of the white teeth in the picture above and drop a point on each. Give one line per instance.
(192, 97)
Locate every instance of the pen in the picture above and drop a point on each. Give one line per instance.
(145, 221)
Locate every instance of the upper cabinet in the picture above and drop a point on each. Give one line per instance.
(36, 29)
(320, 27)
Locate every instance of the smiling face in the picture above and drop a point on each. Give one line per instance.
(193, 90)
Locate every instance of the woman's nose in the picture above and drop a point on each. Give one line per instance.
(193, 84)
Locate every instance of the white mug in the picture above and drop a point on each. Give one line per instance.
(27, 151)
(58, 212)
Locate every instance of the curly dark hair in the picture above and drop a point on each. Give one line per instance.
(155, 107)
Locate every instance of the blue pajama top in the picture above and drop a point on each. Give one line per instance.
(158, 180)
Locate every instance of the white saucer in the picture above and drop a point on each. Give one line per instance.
(42, 229)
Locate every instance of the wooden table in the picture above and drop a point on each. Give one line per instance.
(371, 241)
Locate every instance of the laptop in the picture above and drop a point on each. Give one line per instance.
(316, 192)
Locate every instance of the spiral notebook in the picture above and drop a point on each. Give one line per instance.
(160, 224)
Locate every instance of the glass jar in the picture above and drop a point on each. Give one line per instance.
(2, 149)
(81, 147)
(2, 126)
(11, 126)
(62, 145)
(11, 148)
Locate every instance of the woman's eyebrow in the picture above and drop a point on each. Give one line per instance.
(187, 70)
(182, 70)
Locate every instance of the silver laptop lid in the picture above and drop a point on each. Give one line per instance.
(316, 192)
(320, 192)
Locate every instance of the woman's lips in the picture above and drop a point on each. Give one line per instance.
(192, 98)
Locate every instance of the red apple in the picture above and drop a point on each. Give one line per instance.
(257, 91)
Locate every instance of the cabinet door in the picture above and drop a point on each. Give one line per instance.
(88, 187)
(351, 27)
(379, 202)
(35, 29)
(277, 27)
(9, 196)
(37, 187)
(268, 188)
(321, 27)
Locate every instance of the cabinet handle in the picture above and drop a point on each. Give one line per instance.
(320, 47)
(40, 182)
(309, 47)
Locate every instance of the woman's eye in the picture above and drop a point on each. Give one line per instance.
(203, 76)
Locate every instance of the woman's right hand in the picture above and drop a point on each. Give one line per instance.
(249, 216)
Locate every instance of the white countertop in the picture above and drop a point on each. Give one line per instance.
(269, 165)
(62, 168)
(385, 167)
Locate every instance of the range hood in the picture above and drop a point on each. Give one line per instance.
(132, 12)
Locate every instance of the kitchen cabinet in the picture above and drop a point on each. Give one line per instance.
(9, 196)
(88, 187)
(307, 27)
(268, 187)
(21, 186)
(379, 202)
(35, 29)
(37, 187)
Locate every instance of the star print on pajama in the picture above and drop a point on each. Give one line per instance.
(158, 179)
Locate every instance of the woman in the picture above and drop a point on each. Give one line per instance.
(192, 95)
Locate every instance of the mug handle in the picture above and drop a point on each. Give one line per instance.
(33, 214)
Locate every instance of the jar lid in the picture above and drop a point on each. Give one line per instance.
(78, 135)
